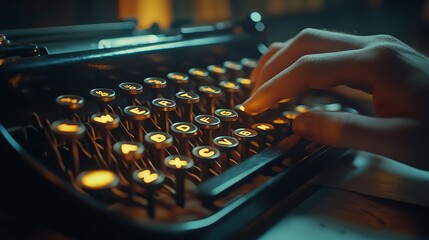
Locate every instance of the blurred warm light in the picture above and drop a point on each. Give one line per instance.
(98, 179)
(147, 12)
(208, 11)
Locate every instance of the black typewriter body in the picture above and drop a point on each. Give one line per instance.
(35, 186)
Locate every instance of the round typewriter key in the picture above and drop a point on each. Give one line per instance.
(205, 156)
(71, 103)
(234, 69)
(246, 84)
(187, 100)
(207, 123)
(218, 73)
(106, 122)
(210, 93)
(227, 116)
(178, 79)
(263, 129)
(98, 183)
(245, 136)
(137, 114)
(283, 127)
(184, 131)
(230, 88)
(225, 144)
(131, 89)
(248, 65)
(163, 106)
(129, 152)
(302, 108)
(99, 179)
(103, 96)
(156, 142)
(70, 130)
(199, 76)
(151, 181)
(155, 84)
(179, 164)
(290, 115)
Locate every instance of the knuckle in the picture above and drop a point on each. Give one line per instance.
(307, 34)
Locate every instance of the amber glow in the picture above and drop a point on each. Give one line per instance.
(101, 93)
(242, 108)
(205, 152)
(69, 100)
(245, 81)
(279, 121)
(225, 141)
(147, 12)
(229, 85)
(137, 111)
(104, 118)
(158, 138)
(98, 179)
(69, 128)
(147, 176)
(199, 72)
(178, 163)
(263, 127)
(284, 100)
(208, 89)
(127, 148)
(183, 128)
(302, 108)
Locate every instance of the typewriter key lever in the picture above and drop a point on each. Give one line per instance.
(71, 131)
(179, 164)
(151, 181)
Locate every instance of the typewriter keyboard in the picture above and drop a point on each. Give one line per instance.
(173, 148)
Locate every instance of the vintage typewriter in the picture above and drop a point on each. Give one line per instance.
(143, 136)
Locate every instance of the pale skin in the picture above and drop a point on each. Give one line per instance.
(382, 69)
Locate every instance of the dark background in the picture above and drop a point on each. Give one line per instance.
(405, 19)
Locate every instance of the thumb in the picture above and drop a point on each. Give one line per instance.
(401, 139)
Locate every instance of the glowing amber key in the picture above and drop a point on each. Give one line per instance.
(98, 179)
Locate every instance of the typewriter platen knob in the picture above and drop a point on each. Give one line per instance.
(131, 89)
(151, 181)
(205, 156)
(179, 164)
(103, 96)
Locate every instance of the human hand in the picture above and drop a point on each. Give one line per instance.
(394, 74)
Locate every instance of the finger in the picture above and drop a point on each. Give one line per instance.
(274, 47)
(397, 138)
(318, 71)
(308, 41)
